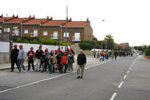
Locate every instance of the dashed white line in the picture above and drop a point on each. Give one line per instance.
(128, 72)
(125, 77)
(120, 84)
(113, 96)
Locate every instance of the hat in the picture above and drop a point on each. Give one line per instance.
(21, 46)
(15, 45)
(46, 49)
(31, 48)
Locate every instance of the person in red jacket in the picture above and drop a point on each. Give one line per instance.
(64, 61)
(30, 56)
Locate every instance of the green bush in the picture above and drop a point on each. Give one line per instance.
(147, 51)
(86, 46)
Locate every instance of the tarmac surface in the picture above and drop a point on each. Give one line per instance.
(127, 78)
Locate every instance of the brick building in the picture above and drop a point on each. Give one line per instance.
(47, 28)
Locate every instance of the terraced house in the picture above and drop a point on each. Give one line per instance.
(46, 28)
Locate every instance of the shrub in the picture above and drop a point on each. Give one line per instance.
(86, 46)
(147, 51)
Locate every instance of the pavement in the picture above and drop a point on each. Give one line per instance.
(7, 66)
(127, 78)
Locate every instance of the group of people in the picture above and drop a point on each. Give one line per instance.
(47, 60)
(111, 54)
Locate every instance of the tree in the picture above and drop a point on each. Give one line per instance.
(109, 42)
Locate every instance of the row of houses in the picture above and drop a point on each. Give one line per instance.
(46, 28)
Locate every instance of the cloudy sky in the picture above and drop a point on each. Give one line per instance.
(126, 20)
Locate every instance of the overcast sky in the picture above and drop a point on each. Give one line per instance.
(125, 20)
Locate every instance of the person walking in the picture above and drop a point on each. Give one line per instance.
(47, 60)
(38, 56)
(64, 62)
(81, 62)
(52, 60)
(94, 53)
(115, 54)
(13, 57)
(30, 56)
(70, 60)
(21, 57)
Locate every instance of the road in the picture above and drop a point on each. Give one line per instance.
(124, 79)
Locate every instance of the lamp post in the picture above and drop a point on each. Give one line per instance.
(66, 26)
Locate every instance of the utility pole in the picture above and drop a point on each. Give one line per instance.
(66, 26)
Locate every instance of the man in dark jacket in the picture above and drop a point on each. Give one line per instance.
(38, 56)
(13, 57)
(81, 62)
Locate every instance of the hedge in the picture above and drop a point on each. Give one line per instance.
(85, 46)
(147, 51)
(41, 40)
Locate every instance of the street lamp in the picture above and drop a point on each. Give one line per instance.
(66, 26)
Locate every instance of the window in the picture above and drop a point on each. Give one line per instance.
(66, 34)
(35, 33)
(76, 37)
(6, 29)
(45, 33)
(0, 29)
(26, 31)
(55, 35)
(15, 31)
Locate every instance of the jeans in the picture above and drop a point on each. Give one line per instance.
(21, 65)
(80, 70)
(37, 65)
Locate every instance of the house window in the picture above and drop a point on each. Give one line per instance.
(15, 31)
(26, 31)
(6, 29)
(45, 33)
(76, 37)
(0, 29)
(55, 35)
(35, 33)
(66, 34)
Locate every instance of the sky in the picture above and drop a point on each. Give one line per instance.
(126, 20)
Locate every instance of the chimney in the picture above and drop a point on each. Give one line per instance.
(13, 15)
(70, 19)
(87, 20)
(33, 16)
(30, 17)
(47, 17)
(51, 18)
(1, 15)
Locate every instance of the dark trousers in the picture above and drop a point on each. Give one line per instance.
(13, 62)
(31, 62)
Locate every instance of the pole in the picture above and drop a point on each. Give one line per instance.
(66, 26)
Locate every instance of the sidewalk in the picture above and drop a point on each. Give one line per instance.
(90, 61)
(8, 66)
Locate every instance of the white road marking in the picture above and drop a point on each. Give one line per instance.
(120, 84)
(48, 78)
(125, 77)
(128, 72)
(113, 96)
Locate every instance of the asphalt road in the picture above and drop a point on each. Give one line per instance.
(124, 79)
